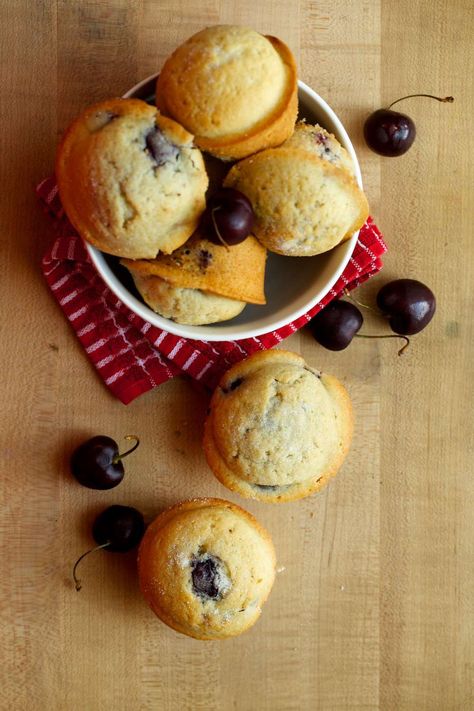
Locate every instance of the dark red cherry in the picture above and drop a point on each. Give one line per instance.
(118, 529)
(228, 218)
(409, 304)
(391, 133)
(336, 325)
(121, 527)
(97, 463)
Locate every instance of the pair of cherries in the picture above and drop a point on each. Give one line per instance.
(408, 304)
(97, 464)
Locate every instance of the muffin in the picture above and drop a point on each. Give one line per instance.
(130, 180)
(202, 282)
(191, 307)
(304, 204)
(316, 140)
(233, 88)
(277, 430)
(206, 567)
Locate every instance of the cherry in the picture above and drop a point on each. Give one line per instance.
(97, 463)
(117, 529)
(121, 528)
(391, 133)
(335, 326)
(228, 218)
(409, 304)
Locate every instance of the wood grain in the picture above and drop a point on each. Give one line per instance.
(374, 607)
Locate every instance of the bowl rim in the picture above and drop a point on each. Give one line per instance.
(224, 333)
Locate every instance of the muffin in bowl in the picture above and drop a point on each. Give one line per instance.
(292, 286)
(233, 88)
(305, 200)
(131, 181)
(277, 430)
(206, 567)
(202, 282)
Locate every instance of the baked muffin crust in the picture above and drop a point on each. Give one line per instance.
(233, 88)
(131, 181)
(303, 204)
(277, 430)
(206, 567)
(316, 140)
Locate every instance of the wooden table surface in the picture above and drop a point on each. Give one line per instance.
(374, 608)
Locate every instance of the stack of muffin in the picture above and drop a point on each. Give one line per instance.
(133, 178)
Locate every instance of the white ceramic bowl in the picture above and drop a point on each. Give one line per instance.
(292, 284)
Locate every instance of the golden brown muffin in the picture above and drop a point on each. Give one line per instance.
(130, 180)
(233, 88)
(206, 567)
(202, 282)
(303, 204)
(277, 430)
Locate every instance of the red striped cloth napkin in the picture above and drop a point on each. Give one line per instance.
(132, 356)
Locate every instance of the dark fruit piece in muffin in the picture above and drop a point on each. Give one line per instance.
(210, 580)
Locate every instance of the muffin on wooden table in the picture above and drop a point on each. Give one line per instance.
(206, 567)
(277, 430)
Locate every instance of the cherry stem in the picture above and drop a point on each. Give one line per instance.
(391, 335)
(77, 582)
(129, 451)
(359, 303)
(444, 100)
(214, 209)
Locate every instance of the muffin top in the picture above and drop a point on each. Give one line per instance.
(206, 567)
(276, 426)
(319, 142)
(303, 204)
(130, 180)
(226, 81)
